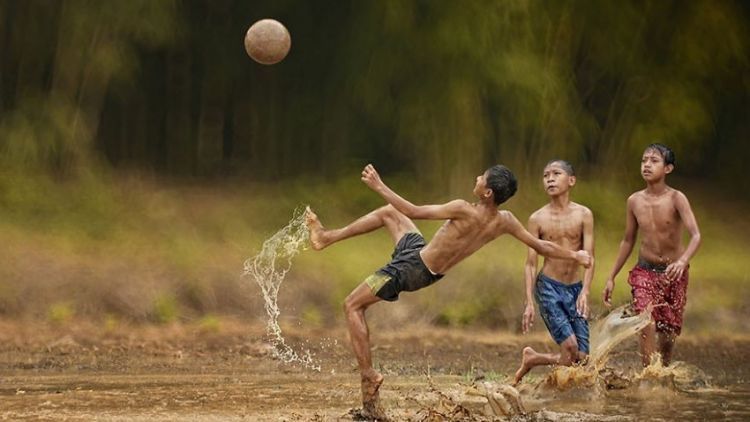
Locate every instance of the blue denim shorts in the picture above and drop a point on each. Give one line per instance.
(557, 305)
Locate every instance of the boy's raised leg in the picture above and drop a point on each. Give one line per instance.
(387, 216)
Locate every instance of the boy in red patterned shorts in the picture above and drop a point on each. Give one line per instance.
(658, 213)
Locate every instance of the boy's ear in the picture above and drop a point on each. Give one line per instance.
(668, 169)
(488, 193)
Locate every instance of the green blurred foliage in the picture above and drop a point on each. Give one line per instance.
(60, 313)
(435, 89)
(209, 324)
(165, 309)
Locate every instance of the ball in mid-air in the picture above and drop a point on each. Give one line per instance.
(267, 41)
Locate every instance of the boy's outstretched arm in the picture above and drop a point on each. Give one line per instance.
(452, 209)
(582, 304)
(529, 277)
(626, 246)
(544, 247)
(676, 269)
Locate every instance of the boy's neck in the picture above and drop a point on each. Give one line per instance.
(560, 201)
(489, 205)
(657, 187)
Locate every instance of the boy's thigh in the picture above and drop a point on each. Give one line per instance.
(556, 320)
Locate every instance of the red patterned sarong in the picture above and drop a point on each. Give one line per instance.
(669, 299)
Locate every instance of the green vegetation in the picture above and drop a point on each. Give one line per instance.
(165, 252)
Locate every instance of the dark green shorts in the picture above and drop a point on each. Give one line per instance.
(405, 272)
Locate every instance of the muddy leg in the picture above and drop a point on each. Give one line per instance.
(647, 344)
(531, 358)
(666, 344)
(355, 306)
(569, 351)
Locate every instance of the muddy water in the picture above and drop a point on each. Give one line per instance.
(268, 270)
(183, 373)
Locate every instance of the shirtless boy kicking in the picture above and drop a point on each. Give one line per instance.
(557, 289)
(658, 213)
(416, 264)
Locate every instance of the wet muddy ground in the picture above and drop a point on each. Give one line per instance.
(183, 372)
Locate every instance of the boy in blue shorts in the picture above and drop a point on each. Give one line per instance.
(557, 289)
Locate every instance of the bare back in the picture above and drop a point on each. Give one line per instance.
(564, 227)
(458, 238)
(659, 225)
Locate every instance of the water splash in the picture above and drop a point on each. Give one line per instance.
(268, 269)
(606, 333)
(611, 330)
(679, 376)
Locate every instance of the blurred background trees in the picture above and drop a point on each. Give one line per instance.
(434, 89)
(431, 92)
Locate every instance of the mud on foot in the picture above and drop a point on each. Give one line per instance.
(371, 407)
(526, 356)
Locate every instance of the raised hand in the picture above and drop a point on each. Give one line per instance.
(371, 177)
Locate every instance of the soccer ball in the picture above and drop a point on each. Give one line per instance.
(267, 41)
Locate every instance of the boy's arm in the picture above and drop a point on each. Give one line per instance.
(626, 246)
(676, 269)
(582, 304)
(452, 209)
(529, 276)
(544, 247)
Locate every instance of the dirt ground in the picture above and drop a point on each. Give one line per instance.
(82, 371)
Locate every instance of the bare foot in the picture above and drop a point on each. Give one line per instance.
(316, 230)
(527, 354)
(371, 383)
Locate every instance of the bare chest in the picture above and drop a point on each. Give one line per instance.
(657, 214)
(563, 229)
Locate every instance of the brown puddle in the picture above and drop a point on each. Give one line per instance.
(80, 372)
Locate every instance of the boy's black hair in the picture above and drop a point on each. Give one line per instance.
(666, 153)
(502, 182)
(564, 164)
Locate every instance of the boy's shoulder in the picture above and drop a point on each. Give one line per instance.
(642, 194)
(506, 215)
(637, 196)
(540, 213)
(580, 208)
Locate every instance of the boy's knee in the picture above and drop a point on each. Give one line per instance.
(349, 305)
(387, 211)
(571, 348)
(352, 304)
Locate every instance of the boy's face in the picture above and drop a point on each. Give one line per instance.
(480, 187)
(652, 166)
(556, 180)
